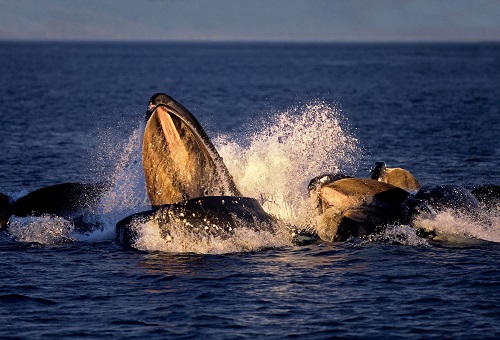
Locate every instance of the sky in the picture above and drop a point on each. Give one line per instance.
(251, 20)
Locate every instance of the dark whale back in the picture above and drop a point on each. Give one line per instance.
(431, 199)
(203, 216)
(64, 200)
(447, 196)
(4, 207)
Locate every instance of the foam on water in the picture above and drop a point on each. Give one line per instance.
(399, 234)
(47, 230)
(452, 227)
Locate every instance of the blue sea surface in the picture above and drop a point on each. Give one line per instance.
(73, 112)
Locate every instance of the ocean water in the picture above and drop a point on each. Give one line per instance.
(279, 114)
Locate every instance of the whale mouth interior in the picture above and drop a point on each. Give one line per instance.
(185, 120)
(184, 117)
(189, 120)
(174, 154)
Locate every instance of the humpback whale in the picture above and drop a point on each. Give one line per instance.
(188, 185)
(356, 207)
(67, 200)
(431, 200)
(187, 181)
(217, 216)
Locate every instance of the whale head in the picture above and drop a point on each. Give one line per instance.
(179, 160)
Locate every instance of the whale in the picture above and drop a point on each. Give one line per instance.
(356, 207)
(184, 173)
(188, 184)
(192, 191)
(71, 201)
(441, 197)
(433, 199)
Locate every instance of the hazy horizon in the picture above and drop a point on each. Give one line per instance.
(318, 21)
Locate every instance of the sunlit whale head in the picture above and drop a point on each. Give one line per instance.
(356, 207)
(398, 177)
(180, 162)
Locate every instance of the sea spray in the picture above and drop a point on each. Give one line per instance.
(127, 194)
(284, 153)
(459, 228)
(45, 229)
(274, 165)
(182, 240)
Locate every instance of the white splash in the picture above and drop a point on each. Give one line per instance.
(286, 152)
(274, 164)
(127, 194)
(46, 229)
(181, 241)
(399, 234)
(457, 228)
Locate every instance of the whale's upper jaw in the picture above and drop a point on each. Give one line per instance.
(157, 99)
(176, 109)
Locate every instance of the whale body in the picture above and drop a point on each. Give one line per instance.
(188, 184)
(192, 191)
(356, 207)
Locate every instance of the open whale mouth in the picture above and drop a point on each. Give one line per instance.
(163, 102)
(180, 162)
